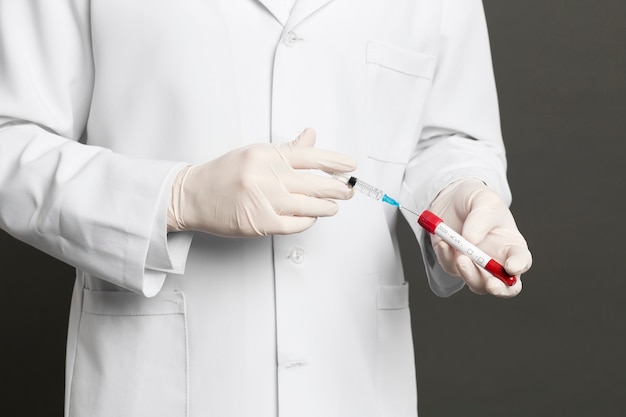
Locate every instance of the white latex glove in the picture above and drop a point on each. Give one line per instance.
(480, 216)
(259, 190)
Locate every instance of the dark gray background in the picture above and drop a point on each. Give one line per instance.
(555, 350)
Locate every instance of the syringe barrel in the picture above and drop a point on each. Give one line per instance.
(370, 191)
(360, 186)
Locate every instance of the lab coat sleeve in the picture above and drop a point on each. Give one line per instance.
(87, 206)
(461, 137)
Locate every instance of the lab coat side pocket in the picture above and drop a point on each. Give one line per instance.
(131, 358)
(396, 364)
(398, 82)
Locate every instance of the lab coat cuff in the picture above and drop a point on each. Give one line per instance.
(441, 283)
(167, 252)
(158, 254)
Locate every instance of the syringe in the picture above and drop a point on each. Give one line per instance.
(369, 190)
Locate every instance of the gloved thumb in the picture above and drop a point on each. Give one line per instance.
(300, 153)
(519, 260)
(306, 138)
(485, 211)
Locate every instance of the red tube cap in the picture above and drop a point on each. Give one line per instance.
(429, 221)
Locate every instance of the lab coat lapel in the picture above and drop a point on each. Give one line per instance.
(303, 9)
(277, 8)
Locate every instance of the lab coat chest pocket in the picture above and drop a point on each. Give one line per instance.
(398, 81)
(131, 358)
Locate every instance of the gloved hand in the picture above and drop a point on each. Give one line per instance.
(259, 190)
(480, 216)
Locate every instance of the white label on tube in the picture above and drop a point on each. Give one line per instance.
(459, 243)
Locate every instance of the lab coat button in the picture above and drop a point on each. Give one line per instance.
(290, 39)
(297, 255)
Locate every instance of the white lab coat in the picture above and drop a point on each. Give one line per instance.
(310, 324)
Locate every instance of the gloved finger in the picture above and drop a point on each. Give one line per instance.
(499, 289)
(446, 255)
(473, 276)
(317, 186)
(301, 154)
(249, 223)
(291, 224)
(482, 282)
(304, 206)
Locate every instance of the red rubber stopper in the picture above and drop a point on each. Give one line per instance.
(429, 221)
